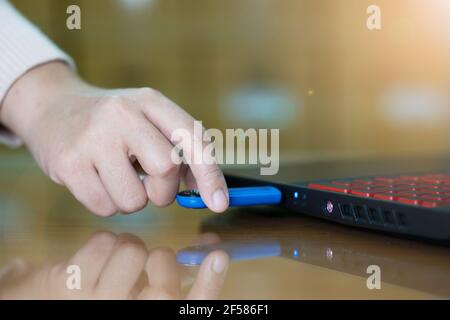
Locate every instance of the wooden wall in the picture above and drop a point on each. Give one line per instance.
(320, 52)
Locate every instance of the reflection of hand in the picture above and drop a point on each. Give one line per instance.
(85, 138)
(111, 268)
(164, 279)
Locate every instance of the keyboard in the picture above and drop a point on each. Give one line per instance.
(425, 190)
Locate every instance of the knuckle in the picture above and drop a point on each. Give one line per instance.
(116, 108)
(130, 205)
(151, 93)
(97, 199)
(66, 165)
(130, 246)
(161, 202)
(104, 210)
(108, 102)
(162, 199)
(103, 239)
(167, 168)
(212, 174)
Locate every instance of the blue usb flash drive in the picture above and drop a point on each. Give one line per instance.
(239, 197)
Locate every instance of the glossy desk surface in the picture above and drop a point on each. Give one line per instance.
(42, 224)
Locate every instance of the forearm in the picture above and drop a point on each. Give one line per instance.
(29, 95)
(22, 48)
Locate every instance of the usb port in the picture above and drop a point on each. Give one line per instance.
(360, 213)
(374, 216)
(346, 211)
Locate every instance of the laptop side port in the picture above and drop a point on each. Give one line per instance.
(346, 211)
(361, 214)
(374, 216)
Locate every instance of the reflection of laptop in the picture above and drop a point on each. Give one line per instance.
(403, 262)
(398, 196)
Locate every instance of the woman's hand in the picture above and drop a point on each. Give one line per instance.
(87, 139)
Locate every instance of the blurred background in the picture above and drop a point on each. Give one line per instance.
(308, 67)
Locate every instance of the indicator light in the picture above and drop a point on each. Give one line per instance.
(329, 207)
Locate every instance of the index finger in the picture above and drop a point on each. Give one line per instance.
(168, 117)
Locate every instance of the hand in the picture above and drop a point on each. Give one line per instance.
(164, 277)
(87, 139)
(110, 268)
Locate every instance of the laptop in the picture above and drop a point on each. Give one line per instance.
(408, 197)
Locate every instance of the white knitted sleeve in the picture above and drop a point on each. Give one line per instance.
(22, 47)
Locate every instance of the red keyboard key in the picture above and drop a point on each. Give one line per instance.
(366, 187)
(400, 191)
(433, 191)
(329, 187)
(434, 197)
(409, 188)
(434, 204)
(393, 191)
(409, 200)
(385, 196)
(381, 190)
(362, 193)
(342, 183)
(429, 204)
(366, 191)
(431, 180)
(363, 181)
(407, 184)
(407, 195)
(432, 186)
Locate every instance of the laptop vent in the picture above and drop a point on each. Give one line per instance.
(373, 216)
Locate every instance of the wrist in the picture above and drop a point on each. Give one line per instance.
(30, 94)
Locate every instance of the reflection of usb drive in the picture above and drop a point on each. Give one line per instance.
(239, 197)
(237, 251)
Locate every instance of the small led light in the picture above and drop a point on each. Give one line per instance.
(329, 207)
(296, 195)
(296, 253)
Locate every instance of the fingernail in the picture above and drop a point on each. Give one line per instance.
(219, 264)
(220, 201)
